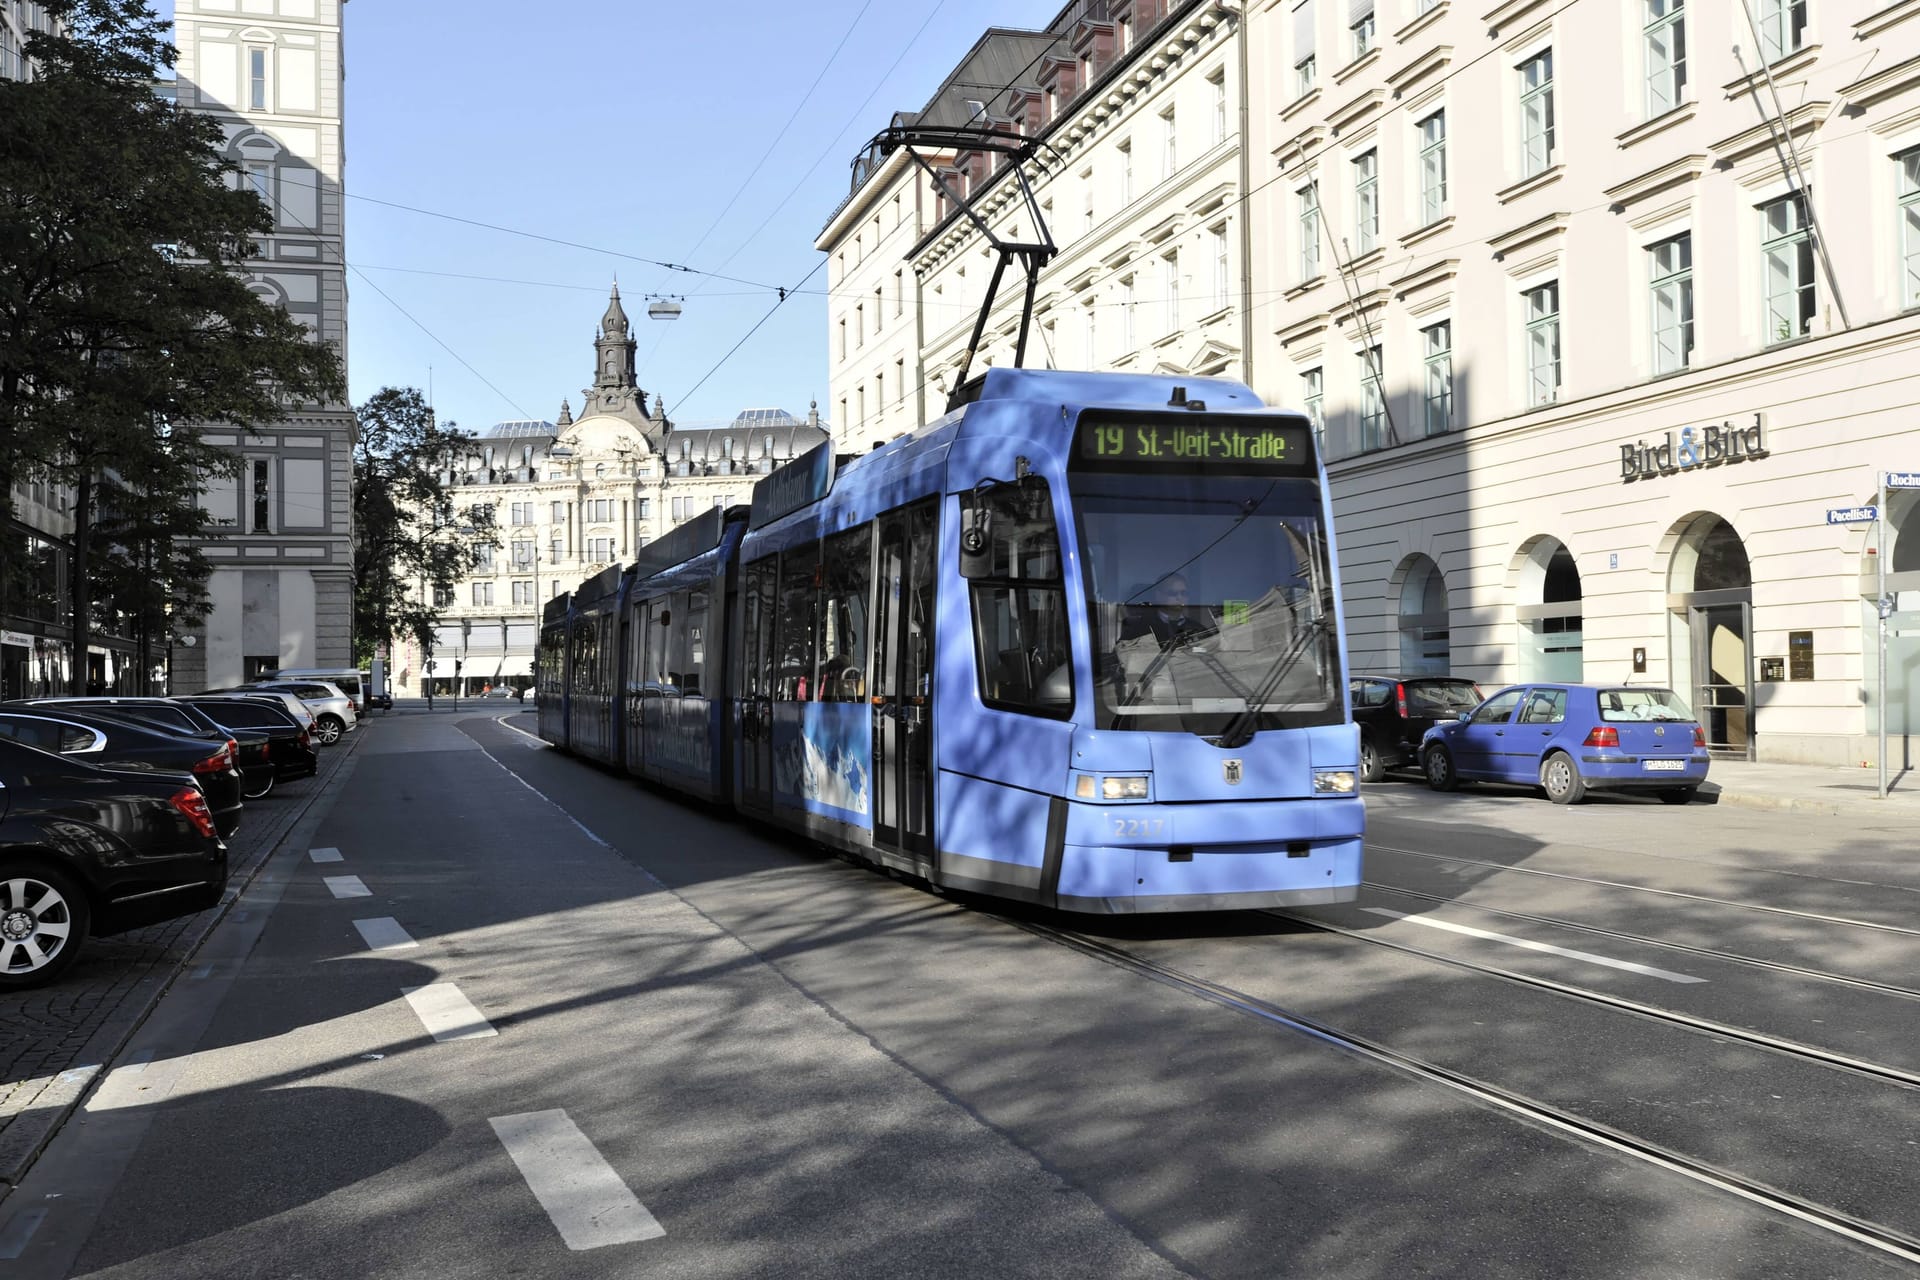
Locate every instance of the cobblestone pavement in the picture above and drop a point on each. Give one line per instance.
(53, 1039)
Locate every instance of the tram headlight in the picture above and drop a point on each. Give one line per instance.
(1333, 782)
(1131, 787)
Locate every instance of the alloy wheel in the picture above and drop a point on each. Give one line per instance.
(37, 925)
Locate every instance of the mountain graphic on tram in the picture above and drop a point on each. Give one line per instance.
(1076, 643)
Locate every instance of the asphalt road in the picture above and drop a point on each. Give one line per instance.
(566, 1026)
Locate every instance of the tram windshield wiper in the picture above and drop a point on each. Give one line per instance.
(1239, 730)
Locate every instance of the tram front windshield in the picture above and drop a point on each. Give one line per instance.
(1211, 602)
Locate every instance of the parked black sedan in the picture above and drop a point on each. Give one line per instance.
(115, 743)
(250, 752)
(291, 745)
(87, 851)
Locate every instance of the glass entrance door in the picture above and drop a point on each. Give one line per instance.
(1723, 675)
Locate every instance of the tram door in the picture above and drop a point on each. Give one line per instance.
(903, 682)
(756, 684)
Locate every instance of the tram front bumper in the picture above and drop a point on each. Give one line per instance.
(1127, 859)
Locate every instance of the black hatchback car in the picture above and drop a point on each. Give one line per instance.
(113, 742)
(1393, 712)
(250, 753)
(87, 851)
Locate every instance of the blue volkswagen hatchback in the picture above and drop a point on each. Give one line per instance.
(1569, 739)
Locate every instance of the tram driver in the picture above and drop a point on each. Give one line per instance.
(1166, 614)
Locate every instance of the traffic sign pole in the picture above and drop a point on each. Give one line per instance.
(1880, 607)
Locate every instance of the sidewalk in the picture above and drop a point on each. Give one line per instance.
(1804, 788)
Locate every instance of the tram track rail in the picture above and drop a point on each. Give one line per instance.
(1639, 939)
(1881, 1239)
(1819, 917)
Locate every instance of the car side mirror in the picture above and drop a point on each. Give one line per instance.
(1464, 716)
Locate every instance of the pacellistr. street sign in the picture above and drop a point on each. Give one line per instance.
(1852, 515)
(1903, 479)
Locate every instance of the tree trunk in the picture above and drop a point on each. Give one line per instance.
(79, 589)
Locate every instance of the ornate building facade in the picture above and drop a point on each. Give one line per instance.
(569, 497)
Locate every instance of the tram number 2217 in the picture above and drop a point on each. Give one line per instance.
(1139, 828)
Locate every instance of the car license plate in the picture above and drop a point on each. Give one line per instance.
(1674, 766)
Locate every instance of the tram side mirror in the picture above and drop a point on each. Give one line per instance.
(976, 543)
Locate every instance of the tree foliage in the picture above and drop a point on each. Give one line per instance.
(126, 319)
(411, 544)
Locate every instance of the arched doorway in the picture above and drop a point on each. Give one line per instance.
(1902, 586)
(1551, 639)
(1425, 622)
(1710, 603)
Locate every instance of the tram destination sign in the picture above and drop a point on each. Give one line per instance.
(1202, 444)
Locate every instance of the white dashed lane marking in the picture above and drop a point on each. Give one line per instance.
(589, 1204)
(325, 855)
(446, 1014)
(348, 887)
(1667, 975)
(384, 933)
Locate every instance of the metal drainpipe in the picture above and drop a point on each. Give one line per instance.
(1246, 208)
(919, 315)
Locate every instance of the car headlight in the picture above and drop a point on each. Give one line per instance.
(1333, 782)
(1129, 787)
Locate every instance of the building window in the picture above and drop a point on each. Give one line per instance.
(843, 337)
(598, 509)
(1309, 204)
(1086, 183)
(442, 597)
(1666, 41)
(1437, 340)
(1221, 280)
(557, 551)
(1304, 64)
(522, 591)
(520, 513)
(879, 320)
(256, 79)
(483, 593)
(1671, 266)
(1362, 26)
(1788, 254)
(483, 556)
(1126, 315)
(1313, 399)
(1536, 114)
(1126, 173)
(646, 508)
(1433, 168)
(1910, 228)
(1783, 25)
(1093, 333)
(899, 291)
(1219, 83)
(1171, 271)
(1366, 200)
(1170, 157)
(679, 509)
(522, 553)
(260, 177)
(1543, 344)
(600, 550)
(1373, 402)
(262, 496)
(559, 513)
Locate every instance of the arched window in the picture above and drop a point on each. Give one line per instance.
(599, 471)
(1425, 622)
(1549, 613)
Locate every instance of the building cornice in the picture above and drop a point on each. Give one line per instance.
(1686, 169)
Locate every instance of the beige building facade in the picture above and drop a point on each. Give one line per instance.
(270, 72)
(1604, 309)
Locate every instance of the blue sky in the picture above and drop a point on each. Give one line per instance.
(626, 127)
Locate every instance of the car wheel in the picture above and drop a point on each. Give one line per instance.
(1561, 779)
(43, 921)
(1438, 764)
(1678, 795)
(266, 789)
(331, 727)
(1371, 770)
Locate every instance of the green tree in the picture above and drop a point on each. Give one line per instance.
(411, 544)
(126, 319)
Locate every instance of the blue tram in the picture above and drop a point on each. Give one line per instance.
(1077, 643)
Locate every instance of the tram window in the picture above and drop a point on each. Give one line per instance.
(794, 641)
(696, 644)
(675, 637)
(1019, 604)
(843, 634)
